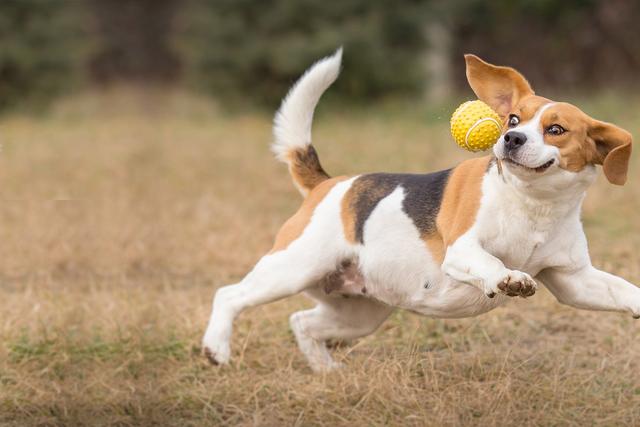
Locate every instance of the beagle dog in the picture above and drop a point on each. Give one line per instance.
(448, 244)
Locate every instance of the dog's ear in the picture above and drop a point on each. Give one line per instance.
(613, 145)
(500, 87)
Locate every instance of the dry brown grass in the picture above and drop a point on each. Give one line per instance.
(120, 216)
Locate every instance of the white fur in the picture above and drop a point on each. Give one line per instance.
(292, 123)
(401, 272)
(316, 252)
(518, 228)
(527, 228)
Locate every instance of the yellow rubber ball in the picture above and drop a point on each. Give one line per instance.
(475, 126)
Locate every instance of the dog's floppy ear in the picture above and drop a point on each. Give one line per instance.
(614, 150)
(500, 87)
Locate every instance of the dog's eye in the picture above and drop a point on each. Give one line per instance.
(513, 120)
(555, 130)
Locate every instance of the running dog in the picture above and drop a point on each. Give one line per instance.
(448, 244)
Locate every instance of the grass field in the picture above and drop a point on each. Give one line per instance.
(121, 214)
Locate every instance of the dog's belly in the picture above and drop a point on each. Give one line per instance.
(439, 296)
(398, 269)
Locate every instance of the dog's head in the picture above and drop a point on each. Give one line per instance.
(545, 138)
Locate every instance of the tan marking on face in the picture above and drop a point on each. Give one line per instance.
(585, 142)
(526, 109)
(577, 150)
(589, 141)
(461, 199)
(293, 228)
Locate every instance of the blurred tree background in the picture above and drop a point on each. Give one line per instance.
(252, 50)
(257, 48)
(41, 52)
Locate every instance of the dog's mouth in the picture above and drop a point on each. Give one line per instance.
(543, 167)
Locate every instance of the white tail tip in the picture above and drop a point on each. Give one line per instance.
(292, 123)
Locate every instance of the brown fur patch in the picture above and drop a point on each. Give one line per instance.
(499, 87)
(436, 246)
(293, 228)
(460, 202)
(361, 188)
(577, 150)
(305, 168)
(348, 215)
(422, 197)
(455, 214)
(615, 144)
(585, 141)
(588, 141)
(527, 108)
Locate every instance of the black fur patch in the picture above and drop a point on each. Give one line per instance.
(423, 195)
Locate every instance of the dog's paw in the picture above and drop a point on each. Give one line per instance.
(216, 354)
(514, 284)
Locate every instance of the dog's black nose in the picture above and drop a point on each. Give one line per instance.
(513, 140)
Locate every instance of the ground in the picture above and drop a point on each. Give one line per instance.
(121, 214)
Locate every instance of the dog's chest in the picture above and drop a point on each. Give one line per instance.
(517, 233)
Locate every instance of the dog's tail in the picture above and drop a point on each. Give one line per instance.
(292, 124)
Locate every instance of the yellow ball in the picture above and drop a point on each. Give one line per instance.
(475, 126)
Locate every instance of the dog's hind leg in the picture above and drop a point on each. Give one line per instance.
(335, 317)
(275, 276)
(302, 256)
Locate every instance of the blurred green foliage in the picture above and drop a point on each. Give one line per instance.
(255, 49)
(258, 48)
(133, 41)
(40, 49)
(575, 45)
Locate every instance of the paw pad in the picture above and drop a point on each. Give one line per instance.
(518, 288)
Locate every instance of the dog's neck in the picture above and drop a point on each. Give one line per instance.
(560, 192)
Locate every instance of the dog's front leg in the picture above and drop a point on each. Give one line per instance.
(467, 261)
(591, 289)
